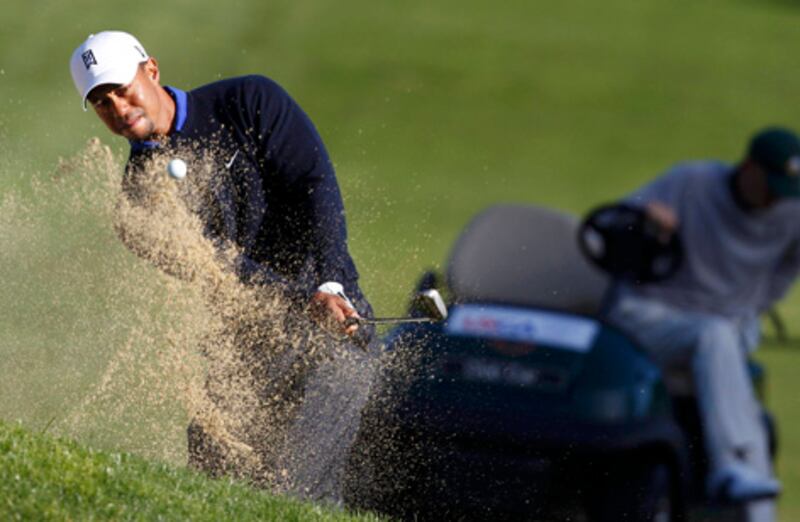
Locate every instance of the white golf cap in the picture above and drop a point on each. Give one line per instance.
(107, 57)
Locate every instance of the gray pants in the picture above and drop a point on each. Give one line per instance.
(714, 349)
(319, 439)
(309, 458)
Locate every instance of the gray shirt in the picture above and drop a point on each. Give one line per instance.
(736, 262)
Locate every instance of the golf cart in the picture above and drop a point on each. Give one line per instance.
(524, 403)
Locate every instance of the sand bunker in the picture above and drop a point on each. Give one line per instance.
(270, 396)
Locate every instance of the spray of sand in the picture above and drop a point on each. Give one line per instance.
(149, 347)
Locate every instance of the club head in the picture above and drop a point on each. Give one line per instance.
(431, 302)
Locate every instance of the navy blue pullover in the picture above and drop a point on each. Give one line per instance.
(278, 199)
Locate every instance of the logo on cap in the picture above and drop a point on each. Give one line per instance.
(89, 59)
(793, 166)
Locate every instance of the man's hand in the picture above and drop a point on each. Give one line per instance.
(664, 218)
(332, 311)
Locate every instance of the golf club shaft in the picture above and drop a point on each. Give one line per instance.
(387, 320)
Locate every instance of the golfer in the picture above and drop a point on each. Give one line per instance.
(279, 200)
(288, 216)
(738, 224)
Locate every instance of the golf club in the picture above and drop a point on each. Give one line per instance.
(429, 301)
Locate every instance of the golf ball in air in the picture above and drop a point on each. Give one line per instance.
(177, 168)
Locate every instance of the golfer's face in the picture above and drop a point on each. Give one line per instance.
(128, 110)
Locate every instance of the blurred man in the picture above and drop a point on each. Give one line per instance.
(739, 227)
(278, 199)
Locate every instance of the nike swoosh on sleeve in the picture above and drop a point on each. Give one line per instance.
(230, 161)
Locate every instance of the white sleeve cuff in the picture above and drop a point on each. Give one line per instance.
(334, 288)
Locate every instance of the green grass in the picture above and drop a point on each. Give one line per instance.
(431, 111)
(42, 478)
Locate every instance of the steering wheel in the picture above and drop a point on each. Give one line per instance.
(621, 240)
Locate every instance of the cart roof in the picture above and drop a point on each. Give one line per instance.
(524, 255)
